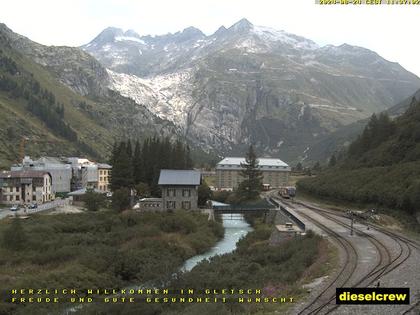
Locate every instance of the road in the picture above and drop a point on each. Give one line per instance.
(5, 212)
(367, 257)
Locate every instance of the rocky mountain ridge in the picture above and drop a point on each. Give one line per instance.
(250, 83)
(79, 84)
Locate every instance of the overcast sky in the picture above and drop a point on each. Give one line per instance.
(390, 30)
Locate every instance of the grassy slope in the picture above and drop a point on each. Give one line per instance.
(385, 173)
(100, 250)
(280, 270)
(15, 117)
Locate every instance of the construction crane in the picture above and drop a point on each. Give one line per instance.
(23, 143)
(22, 148)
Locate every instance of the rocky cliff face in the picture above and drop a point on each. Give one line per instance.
(72, 66)
(248, 83)
(84, 75)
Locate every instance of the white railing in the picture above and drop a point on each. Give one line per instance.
(47, 206)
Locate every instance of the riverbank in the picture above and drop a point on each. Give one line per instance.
(98, 250)
(276, 273)
(234, 231)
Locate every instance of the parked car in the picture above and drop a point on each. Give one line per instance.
(33, 206)
(14, 208)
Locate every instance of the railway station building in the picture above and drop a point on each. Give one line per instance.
(275, 172)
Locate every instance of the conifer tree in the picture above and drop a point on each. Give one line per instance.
(122, 169)
(143, 165)
(137, 164)
(188, 160)
(251, 186)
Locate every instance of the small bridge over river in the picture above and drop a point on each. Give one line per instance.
(237, 211)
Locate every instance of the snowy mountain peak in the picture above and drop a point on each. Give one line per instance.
(251, 83)
(193, 31)
(220, 31)
(242, 25)
(107, 35)
(346, 50)
(131, 33)
(273, 35)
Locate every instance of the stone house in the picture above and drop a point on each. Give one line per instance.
(179, 189)
(25, 187)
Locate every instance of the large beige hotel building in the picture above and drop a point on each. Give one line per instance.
(275, 172)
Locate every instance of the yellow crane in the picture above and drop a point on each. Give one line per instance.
(23, 143)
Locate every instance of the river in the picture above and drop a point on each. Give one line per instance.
(234, 230)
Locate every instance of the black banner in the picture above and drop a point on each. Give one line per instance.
(372, 296)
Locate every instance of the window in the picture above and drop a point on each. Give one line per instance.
(11, 189)
(170, 204)
(171, 192)
(186, 193)
(186, 205)
(17, 189)
(33, 198)
(17, 198)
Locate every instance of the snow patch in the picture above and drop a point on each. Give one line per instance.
(332, 108)
(129, 38)
(273, 35)
(106, 47)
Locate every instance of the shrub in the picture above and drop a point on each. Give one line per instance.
(93, 200)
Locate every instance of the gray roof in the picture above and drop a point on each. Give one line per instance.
(48, 160)
(83, 191)
(261, 161)
(179, 177)
(23, 174)
(104, 165)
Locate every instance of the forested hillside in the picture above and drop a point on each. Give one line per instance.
(340, 139)
(140, 164)
(382, 166)
(36, 108)
(57, 99)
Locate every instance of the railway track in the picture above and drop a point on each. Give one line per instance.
(323, 301)
(402, 241)
(341, 279)
(385, 264)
